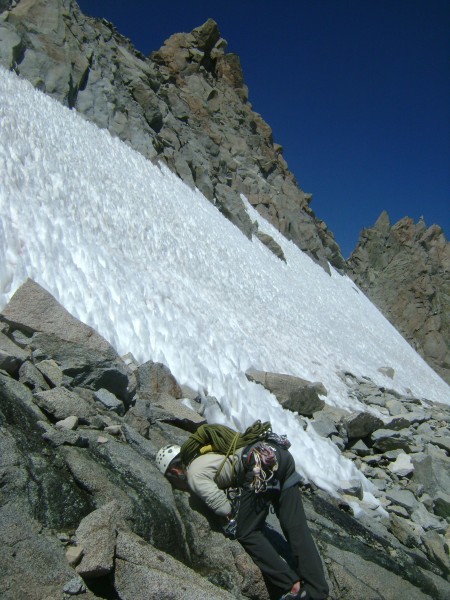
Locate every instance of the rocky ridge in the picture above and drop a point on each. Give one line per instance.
(404, 269)
(85, 511)
(186, 104)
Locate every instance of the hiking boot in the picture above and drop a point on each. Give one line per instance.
(301, 595)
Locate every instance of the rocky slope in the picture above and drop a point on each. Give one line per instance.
(85, 512)
(83, 508)
(404, 269)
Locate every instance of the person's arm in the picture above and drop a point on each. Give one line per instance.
(200, 474)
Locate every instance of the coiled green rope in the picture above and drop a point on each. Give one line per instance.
(223, 439)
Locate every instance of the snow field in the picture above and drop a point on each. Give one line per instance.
(148, 262)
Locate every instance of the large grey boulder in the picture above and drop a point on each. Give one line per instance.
(432, 471)
(33, 309)
(271, 244)
(81, 352)
(386, 439)
(32, 377)
(61, 403)
(161, 407)
(292, 392)
(144, 573)
(156, 378)
(360, 425)
(96, 536)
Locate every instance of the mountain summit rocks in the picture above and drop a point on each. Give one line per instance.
(404, 269)
(186, 105)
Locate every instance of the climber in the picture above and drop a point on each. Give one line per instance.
(239, 488)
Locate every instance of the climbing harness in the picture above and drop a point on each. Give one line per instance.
(265, 466)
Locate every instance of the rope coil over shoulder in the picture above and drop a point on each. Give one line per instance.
(223, 440)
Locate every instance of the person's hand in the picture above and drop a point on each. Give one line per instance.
(229, 527)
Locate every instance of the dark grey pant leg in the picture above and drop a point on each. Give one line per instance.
(289, 509)
(251, 518)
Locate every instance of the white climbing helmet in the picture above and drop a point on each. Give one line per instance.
(165, 456)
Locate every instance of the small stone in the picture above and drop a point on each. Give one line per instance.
(397, 423)
(102, 440)
(360, 448)
(51, 371)
(110, 401)
(114, 429)
(379, 401)
(395, 407)
(392, 454)
(425, 429)
(436, 549)
(74, 554)
(441, 504)
(428, 502)
(372, 459)
(338, 441)
(380, 484)
(387, 439)
(351, 488)
(388, 371)
(130, 361)
(426, 520)
(324, 425)
(397, 510)
(360, 425)
(403, 498)
(60, 437)
(30, 376)
(69, 423)
(75, 586)
(402, 466)
(406, 532)
(441, 442)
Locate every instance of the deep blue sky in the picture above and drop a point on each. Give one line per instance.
(356, 91)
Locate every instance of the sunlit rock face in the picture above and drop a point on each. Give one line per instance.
(404, 268)
(186, 104)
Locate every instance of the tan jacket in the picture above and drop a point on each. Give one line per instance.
(201, 473)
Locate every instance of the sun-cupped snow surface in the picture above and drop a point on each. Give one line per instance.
(154, 267)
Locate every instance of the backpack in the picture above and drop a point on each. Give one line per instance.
(224, 440)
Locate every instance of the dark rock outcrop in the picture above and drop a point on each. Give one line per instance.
(85, 511)
(404, 269)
